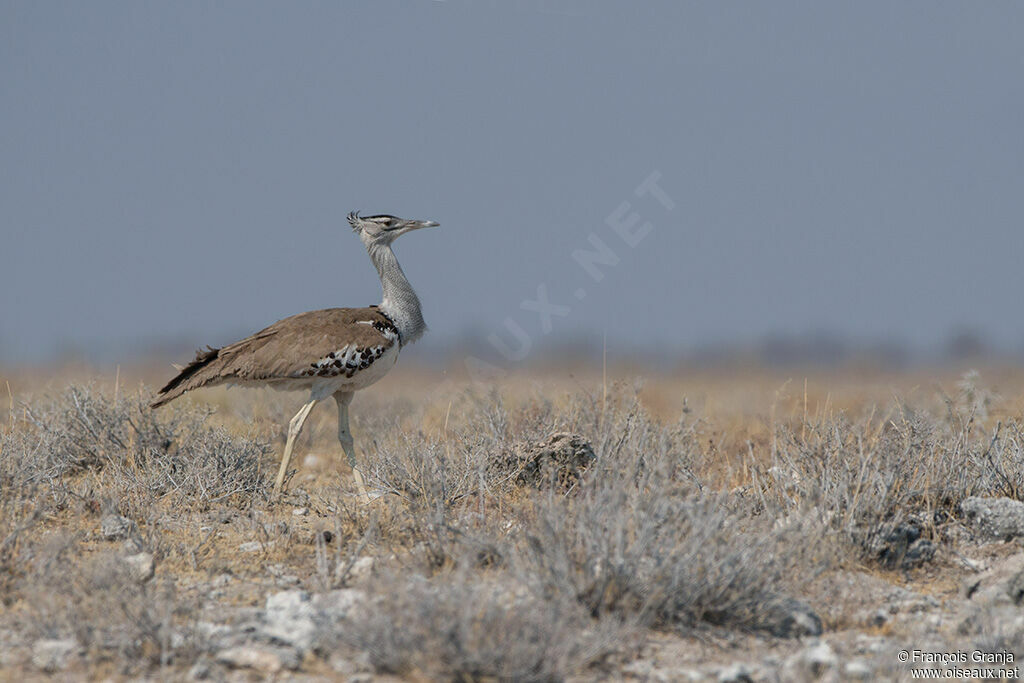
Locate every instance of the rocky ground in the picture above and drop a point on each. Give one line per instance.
(294, 633)
(519, 539)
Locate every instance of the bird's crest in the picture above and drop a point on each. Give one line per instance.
(353, 220)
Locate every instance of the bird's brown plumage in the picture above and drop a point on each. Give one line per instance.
(292, 349)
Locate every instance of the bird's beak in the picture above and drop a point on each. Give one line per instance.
(410, 225)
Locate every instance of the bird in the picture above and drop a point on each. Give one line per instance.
(330, 352)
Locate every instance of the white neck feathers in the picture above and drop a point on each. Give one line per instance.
(400, 302)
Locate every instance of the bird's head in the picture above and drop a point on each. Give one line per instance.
(383, 229)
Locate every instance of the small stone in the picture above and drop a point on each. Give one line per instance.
(994, 519)
(1015, 588)
(300, 512)
(141, 566)
(342, 665)
(340, 604)
(976, 566)
(789, 618)
(820, 658)
(53, 654)
(640, 668)
(290, 618)
(266, 660)
(116, 527)
(364, 663)
(361, 570)
(133, 545)
(737, 673)
(872, 644)
(857, 669)
(211, 632)
(221, 580)
(281, 575)
(999, 585)
(200, 671)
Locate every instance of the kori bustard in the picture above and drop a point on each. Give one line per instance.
(333, 352)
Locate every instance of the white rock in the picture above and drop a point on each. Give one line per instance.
(998, 585)
(141, 566)
(200, 671)
(221, 580)
(340, 604)
(737, 673)
(342, 665)
(994, 519)
(857, 669)
(290, 618)
(300, 512)
(361, 570)
(212, 633)
(264, 660)
(972, 564)
(820, 659)
(641, 668)
(250, 547)
(53, 654)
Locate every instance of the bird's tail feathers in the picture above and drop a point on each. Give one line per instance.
(186, 378)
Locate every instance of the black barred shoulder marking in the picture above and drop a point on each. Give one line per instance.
(387, 327)
(345, 361)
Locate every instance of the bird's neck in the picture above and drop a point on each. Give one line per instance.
(400, 302)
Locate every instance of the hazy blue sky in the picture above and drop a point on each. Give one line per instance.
(182, 170)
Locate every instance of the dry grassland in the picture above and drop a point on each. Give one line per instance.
(722, 514)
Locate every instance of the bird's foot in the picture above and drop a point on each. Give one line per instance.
(365, 495)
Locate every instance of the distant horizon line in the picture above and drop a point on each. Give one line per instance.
(819, 348)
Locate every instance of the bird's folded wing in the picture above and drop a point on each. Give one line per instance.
(327, 343)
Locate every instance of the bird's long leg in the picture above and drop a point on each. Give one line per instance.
(343, 398)
(294, 427)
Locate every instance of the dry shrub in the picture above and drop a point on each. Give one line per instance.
(17, 518)
(137, 454)
(663, 562)
(636, 544)
(868, 478)
(21, 509)
(441, 487)
(474, 626)
(641, 541)
(633, 540)
(98, 603)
